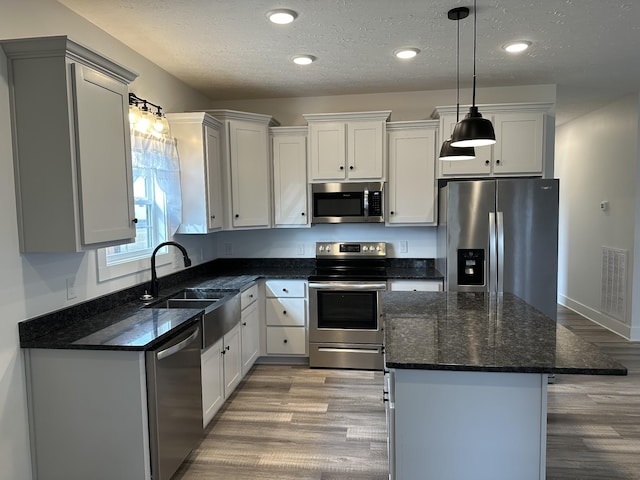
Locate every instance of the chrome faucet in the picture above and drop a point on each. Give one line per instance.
(154, 287)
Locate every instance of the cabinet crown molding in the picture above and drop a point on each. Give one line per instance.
(547, 107)
(409, 124)
(224, 114)
(382, 115)
(194, 117)
(63, 46)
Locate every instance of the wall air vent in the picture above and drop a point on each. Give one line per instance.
(613, 299)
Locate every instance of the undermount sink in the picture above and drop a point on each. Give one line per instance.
(221, 310)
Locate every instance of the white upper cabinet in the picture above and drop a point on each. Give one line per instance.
(246, 169)
(521, 147)
(290, 191)
(72, 146)
(347, 146)
(411, 193)
(199, 148)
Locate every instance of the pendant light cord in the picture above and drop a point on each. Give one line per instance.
(458, 70)
(474, 52)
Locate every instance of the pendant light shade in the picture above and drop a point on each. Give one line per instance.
(473, 130)
(449, 152)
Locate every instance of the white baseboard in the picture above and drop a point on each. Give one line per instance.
(595, 316)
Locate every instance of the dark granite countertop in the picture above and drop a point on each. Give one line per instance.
(482, 332)
(119, 321)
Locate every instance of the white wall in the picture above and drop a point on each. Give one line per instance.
(34, 284)
(597, 160)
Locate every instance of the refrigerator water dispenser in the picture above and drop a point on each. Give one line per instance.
(471, 266)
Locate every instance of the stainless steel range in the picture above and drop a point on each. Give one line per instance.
(345, 328)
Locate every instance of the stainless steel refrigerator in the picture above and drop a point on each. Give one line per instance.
(501, 236)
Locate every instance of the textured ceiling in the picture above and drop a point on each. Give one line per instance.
(227, 49)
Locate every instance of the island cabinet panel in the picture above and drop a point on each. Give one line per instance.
(88, 414)
(72, 146)
(480, 425)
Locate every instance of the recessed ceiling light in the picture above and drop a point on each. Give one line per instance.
(282, 16)
(405, 53)
(516, 47)
(303, 59)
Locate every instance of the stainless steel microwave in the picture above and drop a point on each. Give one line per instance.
(348, 202)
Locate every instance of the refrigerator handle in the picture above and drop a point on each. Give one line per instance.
(493, 254)
(500, 245)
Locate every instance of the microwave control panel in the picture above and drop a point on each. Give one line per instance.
(375, 204)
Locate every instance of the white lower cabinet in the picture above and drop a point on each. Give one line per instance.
(286, 317)
(232, 360)
(212, 367)
(250, 328)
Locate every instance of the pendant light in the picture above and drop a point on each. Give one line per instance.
(448, 152)
(473, 130)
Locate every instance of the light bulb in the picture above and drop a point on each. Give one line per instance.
(406, 53)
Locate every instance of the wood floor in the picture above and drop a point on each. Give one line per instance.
(295, 423)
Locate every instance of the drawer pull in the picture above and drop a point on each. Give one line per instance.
(285, 290)
(284, 312)
(244, 324)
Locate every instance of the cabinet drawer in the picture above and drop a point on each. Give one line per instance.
(415, 285)
(286, 340)
(286, 288)
(249, 296)
(286, 311)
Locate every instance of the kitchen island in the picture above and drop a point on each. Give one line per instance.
(466, 383)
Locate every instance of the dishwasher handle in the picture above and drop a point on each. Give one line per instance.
(173, 349)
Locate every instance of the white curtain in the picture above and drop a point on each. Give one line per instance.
(160, 156)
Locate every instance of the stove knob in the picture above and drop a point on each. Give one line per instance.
(378, 248)
(365, 248)
(321, 248)
(328, 248)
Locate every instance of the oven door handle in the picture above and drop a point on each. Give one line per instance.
(348, 286)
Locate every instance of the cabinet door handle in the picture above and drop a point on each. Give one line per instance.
(213, 216)
(244, 324)
(237, 216)
(486, 162)
(284, 312)
(497, 162)
(223, 352)
(351, 167)
(285, 290)
(303, 214)
(391, 212)
(285, 340)
(341, 167)
(135, 220)
(227, 348)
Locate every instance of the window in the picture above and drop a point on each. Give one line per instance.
(158, 206)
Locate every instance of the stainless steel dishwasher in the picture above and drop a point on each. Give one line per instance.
(174, 393)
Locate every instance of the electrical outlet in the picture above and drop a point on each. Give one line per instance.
(404, 246)
(228, 249)
(71, 289)
(300, 248)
